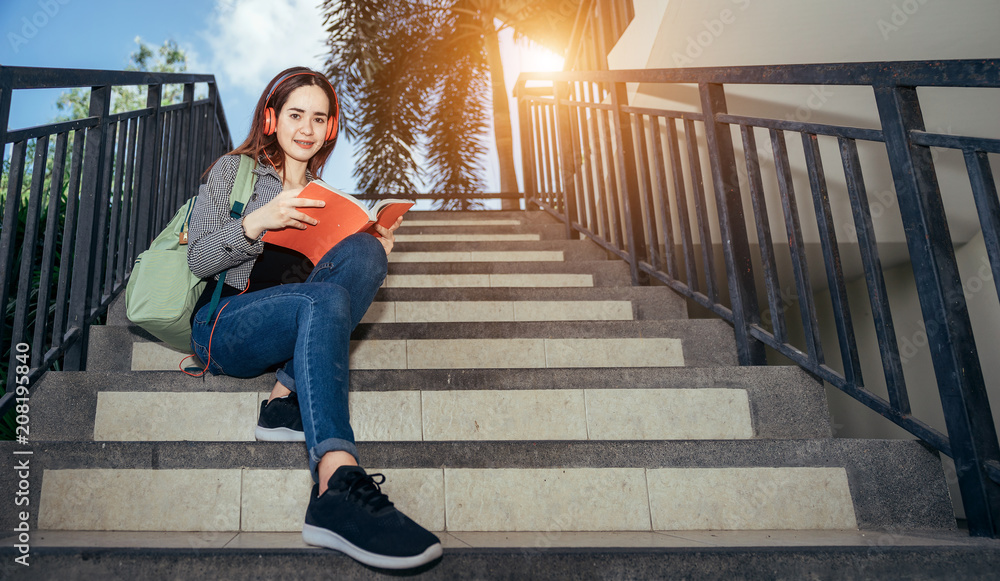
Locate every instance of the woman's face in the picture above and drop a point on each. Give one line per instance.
(302, 122)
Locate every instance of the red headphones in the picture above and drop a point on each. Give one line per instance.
(271, 118)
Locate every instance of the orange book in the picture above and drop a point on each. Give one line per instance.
(342, 216)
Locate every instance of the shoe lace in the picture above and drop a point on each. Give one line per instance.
(369, 492)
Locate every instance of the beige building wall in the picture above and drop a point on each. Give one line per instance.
(708, 33)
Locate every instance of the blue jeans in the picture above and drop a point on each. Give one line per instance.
(307, 327)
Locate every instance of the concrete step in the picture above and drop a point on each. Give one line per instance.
(496, 311)
(783, 402)
(478, 256)
(537, 231)
(692, 331)
(429, 223)
(498, 486)
(693, 343)
(450, 236)
(457, 499)
(508, 274)
(600, 269)
(473, 354)
(381, 416)
(420, 221)
(648, 303)
(477, 216)
(889, 555)
(572, 250)
(417, 280)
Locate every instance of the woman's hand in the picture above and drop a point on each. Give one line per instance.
(387, 237)
(281, 212)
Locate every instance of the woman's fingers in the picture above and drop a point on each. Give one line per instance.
(387, 238)
(288, 213)
(299, 219)
(284, 211)
(306, 203)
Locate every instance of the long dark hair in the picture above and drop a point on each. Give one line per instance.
(257, 145)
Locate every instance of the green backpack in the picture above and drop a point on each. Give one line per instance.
(162, 291)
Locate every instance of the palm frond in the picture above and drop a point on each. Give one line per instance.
(415, 78)
(458, 122)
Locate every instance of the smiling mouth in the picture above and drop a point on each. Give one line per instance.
(304, 144)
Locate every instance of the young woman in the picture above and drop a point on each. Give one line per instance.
(300, 324)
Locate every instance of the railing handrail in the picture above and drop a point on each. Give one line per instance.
(122, 178)
(56, 78)
(943, 73)
(599, 165)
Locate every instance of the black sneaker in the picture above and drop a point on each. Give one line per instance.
(280, 420)
(354, 517)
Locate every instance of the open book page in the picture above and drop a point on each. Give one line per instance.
(342, 216)
(387, 211)
(317, 182)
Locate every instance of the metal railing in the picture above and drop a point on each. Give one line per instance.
(632, 180)
(106, 184)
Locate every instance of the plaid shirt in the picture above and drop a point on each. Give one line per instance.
(216, 241)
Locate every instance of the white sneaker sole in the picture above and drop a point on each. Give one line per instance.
(321, 537)
(278, 435)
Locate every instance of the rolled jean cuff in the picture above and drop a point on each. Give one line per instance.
(285, 379)
(330, 445)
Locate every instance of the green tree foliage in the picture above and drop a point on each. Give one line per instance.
(418, 77)
(75, 103)
(168, 58)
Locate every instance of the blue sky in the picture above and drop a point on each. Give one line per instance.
(242, 42)
(225, 38)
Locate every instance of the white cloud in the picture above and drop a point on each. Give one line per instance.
(195, 64)
(252, 40)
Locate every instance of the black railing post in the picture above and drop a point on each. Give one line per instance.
(83, 273)
(567, 158)
(149, 164)
(212, 143)
(732, 225)
(214, 140)
(5, 91)
(627, 179)
(8, 246)
(629, 183)
(187, 153)
(950, 338)
(7, 237)
(525, 133)
(225, 137)
(29, 246)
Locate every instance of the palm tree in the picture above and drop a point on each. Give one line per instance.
(418, 75)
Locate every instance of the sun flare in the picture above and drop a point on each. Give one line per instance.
(534, 57)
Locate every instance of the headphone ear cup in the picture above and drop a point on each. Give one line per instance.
(270, 121)
(331, 128)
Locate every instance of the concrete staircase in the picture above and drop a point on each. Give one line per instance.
(549, 419)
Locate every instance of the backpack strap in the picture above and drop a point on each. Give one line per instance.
(238, 197)
(243, 186)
